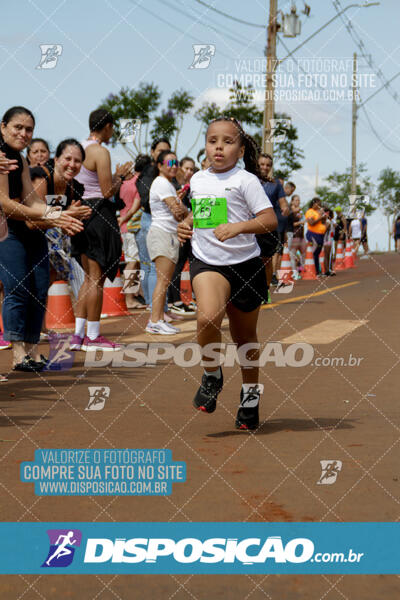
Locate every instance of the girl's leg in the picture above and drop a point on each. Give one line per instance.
(164, 269)
(90, 299)
(212, 295)
(212, 292)
(243, 328)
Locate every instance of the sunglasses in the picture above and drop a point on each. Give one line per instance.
(171, 163)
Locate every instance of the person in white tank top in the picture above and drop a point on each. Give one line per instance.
(355, 233)
(98, 248)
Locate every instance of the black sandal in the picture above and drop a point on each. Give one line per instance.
(28, 365)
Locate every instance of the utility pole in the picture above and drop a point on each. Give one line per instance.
(269, 107)
(354, 128)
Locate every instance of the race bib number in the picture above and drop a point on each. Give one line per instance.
(208, 212)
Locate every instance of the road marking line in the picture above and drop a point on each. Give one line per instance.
(295, 298)
(324, 332)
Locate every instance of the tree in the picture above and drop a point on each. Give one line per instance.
(242, 107)
(338, 190)
(142, 104)
(388, 195)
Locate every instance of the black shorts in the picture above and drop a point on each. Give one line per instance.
(247, 280)
(270, 243)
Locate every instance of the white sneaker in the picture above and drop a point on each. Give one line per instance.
(161, 328)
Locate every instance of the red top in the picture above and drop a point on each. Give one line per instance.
(128, 192)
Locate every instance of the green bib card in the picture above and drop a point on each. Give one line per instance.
(208, 213)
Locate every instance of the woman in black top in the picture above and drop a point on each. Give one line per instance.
(24, 267)
(59, 188)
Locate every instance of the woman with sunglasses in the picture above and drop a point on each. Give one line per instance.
(162, 239)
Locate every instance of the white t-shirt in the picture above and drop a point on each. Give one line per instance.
(245, 197)
(161, 216)
(356, 229)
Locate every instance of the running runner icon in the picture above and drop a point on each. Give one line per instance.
(62, 550)
(62, 547)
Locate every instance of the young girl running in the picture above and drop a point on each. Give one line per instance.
(227, 272)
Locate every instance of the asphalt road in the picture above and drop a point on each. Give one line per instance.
(332, 409)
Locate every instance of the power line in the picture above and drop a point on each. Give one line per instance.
(234, 37)
(229, 16)
(360, 44)
(156, 16)
(376, 133)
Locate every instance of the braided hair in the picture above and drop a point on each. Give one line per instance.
(251, 149)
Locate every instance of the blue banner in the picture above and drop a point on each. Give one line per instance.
(207, 548)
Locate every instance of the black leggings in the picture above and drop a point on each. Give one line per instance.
(317, 240)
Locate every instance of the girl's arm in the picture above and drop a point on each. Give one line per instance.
(264, 221)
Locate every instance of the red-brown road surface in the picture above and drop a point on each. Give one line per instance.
(309, 414)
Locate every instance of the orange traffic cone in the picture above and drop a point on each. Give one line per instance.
(114, 304)
(186, 286)
(285, 272)
(348, 258)
(339, 262)
(322, 260)
(59, 314)
(309, 267)
(353, 250)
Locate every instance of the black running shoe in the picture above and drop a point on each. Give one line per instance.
(206, 397)
(247, 416)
